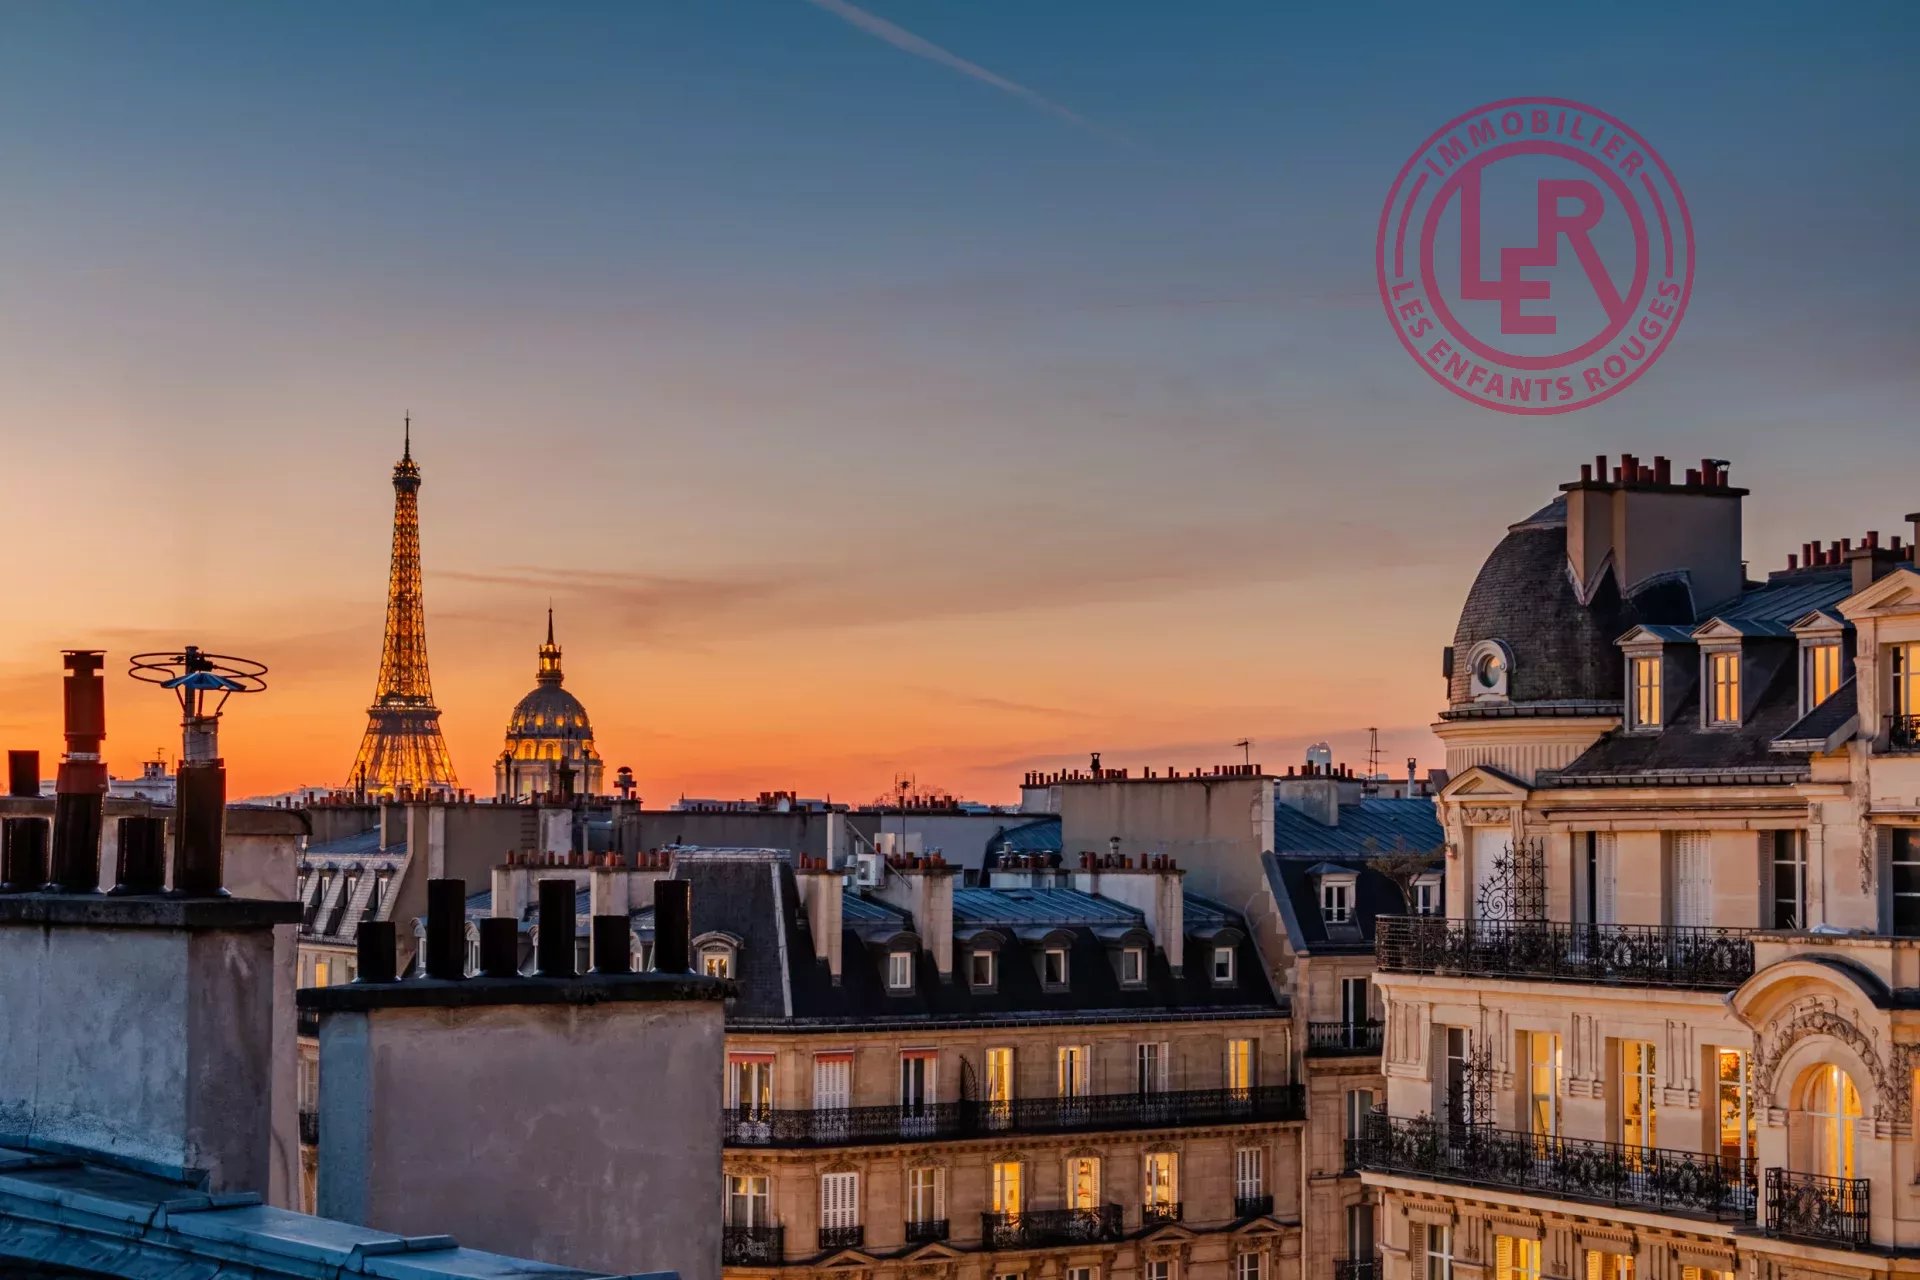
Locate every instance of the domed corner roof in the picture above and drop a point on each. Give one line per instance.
(1563, 650)
(548, 712)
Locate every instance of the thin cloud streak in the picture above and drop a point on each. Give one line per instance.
(904, 40)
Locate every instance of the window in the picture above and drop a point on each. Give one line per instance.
(1053, 971)
(1162, 1168)
(1439, 1253)
(1360, 1232)
(926, 1195)
(1083, 1182)
(1426, 897)
(1083, 1273)
(1609, 1266)
(1240, 1065)
(1072, 1063)
(750, 1082)
(1223, 966)
(1359, 1107)
(1639, 1083)
(1133, 967)
(1833, 1107)
(1819, 674)
(899, 971)
(832, 1081)
(1354, 1001)
(1249, 1173)
(1645, 683)
(1903, 670)
(716, 960)
(917, 1079)
(1456, 1104)
(1150, 1067)
(1723, 687)
(1789, 850)
(749, 1200)
(473, 951)
(1690, 877)
(999, 1075)
(321, 974)
(1160, 1270)
(1336, 901)
(1543, 1084)
(645, 951)
(839, 1201)
(1704, 1273)
(1249, 1266)
(1516, 1259)
(1739, 1127)
(1904, 884)
(1004, 1186)
(980, 968)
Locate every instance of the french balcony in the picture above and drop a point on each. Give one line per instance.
(309, 1127)
(927, 1230)
(1161, 1212)
(1330, 1038)
(1040, 1228)
(1903, 734)
(1095, 1112)
(1818, 1209)
(1612, 1173)
(761, 1246)
(1252, 1206)
(836, 1238)
(1355, 1269)
(1704, 959)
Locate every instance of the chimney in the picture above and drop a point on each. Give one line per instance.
(1870, 562)
(23, 773)
(926, 893)
(80, 791)
(821, 893)
(1154, 890)
(1645, 526)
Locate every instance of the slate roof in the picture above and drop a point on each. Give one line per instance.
(329, 912)
(1296, 892)
(1772, 607)
(1686, 753)
(1039, 837)
(1815, 729)
(1374, 824)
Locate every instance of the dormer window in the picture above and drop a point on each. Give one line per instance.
(1133, 967)
(716, 960)
(899, 970)
(980, 969)
(1722, 684)
(1819, 673)
(1336, 901)
(1053, 967)
(1489, 664)
(1223, 966)
(1643, 682)
(1426, 894)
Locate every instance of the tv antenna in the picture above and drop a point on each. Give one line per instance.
(1373, 759)
(1246, 750)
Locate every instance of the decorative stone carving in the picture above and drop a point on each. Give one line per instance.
(1809, 1016)
(1486, 815)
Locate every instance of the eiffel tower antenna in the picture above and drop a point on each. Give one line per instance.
(403, 749)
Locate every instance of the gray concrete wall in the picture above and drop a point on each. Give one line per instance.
(585, 1135)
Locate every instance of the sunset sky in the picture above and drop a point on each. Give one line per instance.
(942, 387)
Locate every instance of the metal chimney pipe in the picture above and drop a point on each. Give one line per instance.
(374, 952)
(446, 929)
(500, 947)
(199, 816)
(23, 773)
(81, 787)
(554, 957)
(672, 926)
(23, 854)
(141, 866)
(612, 945)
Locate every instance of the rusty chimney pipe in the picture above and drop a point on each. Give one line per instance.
(23, 773)
(81, 787)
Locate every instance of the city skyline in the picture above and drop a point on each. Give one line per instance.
(872, 390)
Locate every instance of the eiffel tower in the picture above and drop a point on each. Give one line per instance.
(403, 749)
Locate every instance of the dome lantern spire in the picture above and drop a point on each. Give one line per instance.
(549, 655)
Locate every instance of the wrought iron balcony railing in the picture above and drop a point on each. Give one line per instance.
(1355, 1269)
(926, 1229)
(1903, 733)
(1658, 1178)
(762, 1246)
(309, 1127)
(1646, 955)
(853, 1126)
(1160, 1213)
(832, 1238)
(1810, 1206)
(1343, 1037)
(1038, 1228)
(1252, 1206)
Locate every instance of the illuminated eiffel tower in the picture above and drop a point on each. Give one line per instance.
(403, 749)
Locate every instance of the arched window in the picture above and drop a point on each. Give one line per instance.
(1831, 1106)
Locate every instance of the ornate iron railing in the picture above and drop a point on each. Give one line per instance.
(1343, 1037)
(752, 1246)
(1355, 1269)
(1658, 1178)
(1038, 1228)
(1252, 1206)
(926, 1229)
(1903, 733)
(842, 1238)
(1160, 1213)
(854, 1126)
(1647, 955)
(310, 1127)
(1811, 1206)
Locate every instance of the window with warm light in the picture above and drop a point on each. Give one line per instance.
(1004, 1186)
(1072, 1064)
(1739, 1126)
(749, 1200)
(1083, 1182)
(1639, 1086)
(1609, 1266)
(1161, 1173)
(750, 1082)
(1723, 687)
(1833, 1108)
(1240, 1064)
(1819, 673)
(716, 960)
(999, 1073)
(1543, 1083)
(1645, 673)
(1515, 1258)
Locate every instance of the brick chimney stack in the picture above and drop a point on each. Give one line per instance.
(1636, 517)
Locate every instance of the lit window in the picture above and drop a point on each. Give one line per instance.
(1739, 1126)
(1072, 1063)
(1903, 669)
(1833, 1105)
(980, 968)
(1005, 1187)
(1819, 674)
(1249, 1266)
(1133, 966)
(899, 970)
(1723, 687)
(1543, 1086)
(750, 1082)
(1223, 966)
(1646, 692)
(1336, 901)
(1083, 1182)
(1162, 1176)
(1054, 970)
(1639, 1084)
(749, 1200)
(1609, 1266)
(999, 1075)
(1240, 1065)
(716, 961)
(1515, 1258)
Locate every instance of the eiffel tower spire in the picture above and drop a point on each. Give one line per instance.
(403, 746)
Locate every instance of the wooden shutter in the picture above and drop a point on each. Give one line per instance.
(1503, 1257)
(1417, 1250)
(839, 1199)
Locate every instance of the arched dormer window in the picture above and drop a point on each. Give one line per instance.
(717, 955)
